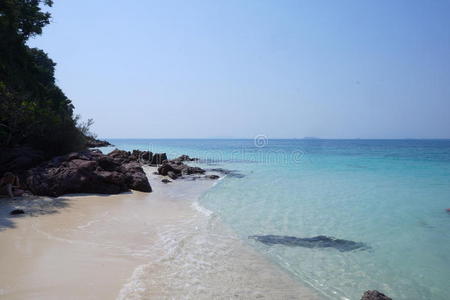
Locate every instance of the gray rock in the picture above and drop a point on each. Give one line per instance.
(320, 241)
(374, 295)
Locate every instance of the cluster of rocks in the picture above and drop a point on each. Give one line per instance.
(175, 168)
(91, 171)
(88, 171)
(143, 157)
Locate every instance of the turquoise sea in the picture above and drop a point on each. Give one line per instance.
(389, 194)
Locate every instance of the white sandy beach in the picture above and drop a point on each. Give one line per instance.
(131, 246)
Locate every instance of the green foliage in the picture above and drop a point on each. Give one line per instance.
(21, 19)
(33, 110)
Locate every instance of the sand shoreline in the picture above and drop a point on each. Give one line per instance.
(131, 246)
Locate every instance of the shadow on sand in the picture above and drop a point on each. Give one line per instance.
(68, 196)
(37, 205)
(33, 207)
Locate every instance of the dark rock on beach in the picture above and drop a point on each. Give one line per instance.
(176, 168)
(213, 176)
(320, 241)
(136, 179)
(165, 180)
(374, 295)
(17, 212)
(87, 171)
(144, 157)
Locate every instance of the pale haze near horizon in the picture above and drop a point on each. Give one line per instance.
(236, 69)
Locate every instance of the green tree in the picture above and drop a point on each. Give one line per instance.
(33, 109)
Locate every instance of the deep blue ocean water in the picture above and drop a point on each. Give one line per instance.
(389, 194)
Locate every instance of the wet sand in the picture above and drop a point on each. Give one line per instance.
(131, 246)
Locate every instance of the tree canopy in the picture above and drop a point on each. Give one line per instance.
(33, 109)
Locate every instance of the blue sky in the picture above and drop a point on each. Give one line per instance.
(285, 69)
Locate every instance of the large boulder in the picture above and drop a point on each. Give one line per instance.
(87, 171)
(135, 177)
(374, 295)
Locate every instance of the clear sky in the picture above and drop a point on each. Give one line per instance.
(225, 68)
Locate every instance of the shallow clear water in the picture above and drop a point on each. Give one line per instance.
(388, 194)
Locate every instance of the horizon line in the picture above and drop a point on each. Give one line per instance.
(269, 138)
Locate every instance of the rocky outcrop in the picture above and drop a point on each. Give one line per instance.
(144, 157)
(88, 171)
(19, 159)
(175, 169)
(91, 171)
(374, 295)
(94, 143)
